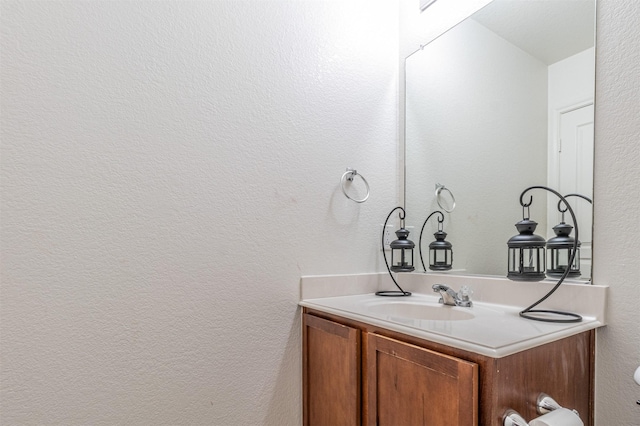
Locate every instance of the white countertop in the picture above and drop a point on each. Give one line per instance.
(494, 330)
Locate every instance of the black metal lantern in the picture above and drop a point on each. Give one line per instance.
(559, 249)
(401, 255)
(440, 251)
(526, 253)
(402, 252)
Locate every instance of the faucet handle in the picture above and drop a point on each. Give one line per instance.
(465, 293)
(464, 296)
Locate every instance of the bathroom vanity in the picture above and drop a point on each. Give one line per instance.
(375, 360)
(355, 373)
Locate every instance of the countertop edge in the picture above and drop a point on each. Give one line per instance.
(589, 323)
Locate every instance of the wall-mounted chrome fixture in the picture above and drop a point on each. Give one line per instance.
(544, 406)
(439, 198)
(513, 418)
(348, 176)
(527, 260)
(440, 250)
(401, 254)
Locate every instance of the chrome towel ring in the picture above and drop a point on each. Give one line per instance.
(348, 177)
(439, 189)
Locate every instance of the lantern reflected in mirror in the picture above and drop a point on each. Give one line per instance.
(559, 250)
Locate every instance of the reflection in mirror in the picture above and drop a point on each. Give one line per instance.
(501, 102)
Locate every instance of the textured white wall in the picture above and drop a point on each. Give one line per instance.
(616, 205)
(169, 170)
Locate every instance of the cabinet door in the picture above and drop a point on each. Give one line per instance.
(409, 385)
(331, 365)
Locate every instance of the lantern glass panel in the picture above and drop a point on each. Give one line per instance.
(401, 259)
(440, 258)
(527, 263)
(558, 260)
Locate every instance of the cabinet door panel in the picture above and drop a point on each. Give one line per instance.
(331, 365)
(410, 385)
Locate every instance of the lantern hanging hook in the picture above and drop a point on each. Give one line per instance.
(525, 206)
(522, 203)
(560, 202)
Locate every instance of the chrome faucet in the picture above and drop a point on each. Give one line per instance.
(449, 297)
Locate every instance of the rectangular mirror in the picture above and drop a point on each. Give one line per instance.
(502, 101)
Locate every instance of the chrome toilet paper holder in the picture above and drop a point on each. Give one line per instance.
(545, 404)
(513, 418)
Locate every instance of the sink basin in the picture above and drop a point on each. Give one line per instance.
(421, 311)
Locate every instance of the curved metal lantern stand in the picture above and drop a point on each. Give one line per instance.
(392, 293)
(529, 312)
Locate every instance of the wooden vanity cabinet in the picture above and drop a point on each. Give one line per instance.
(410, 385)
(355, 373)
(354, 377)
(331, 373)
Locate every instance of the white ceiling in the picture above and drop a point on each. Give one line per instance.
(550, 30)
